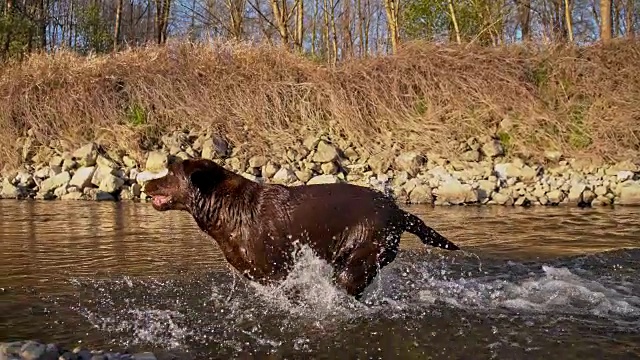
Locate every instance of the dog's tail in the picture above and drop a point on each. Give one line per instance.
(416, 226)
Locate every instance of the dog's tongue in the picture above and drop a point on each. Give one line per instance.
(160, 200)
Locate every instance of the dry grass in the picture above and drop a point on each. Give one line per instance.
(581, 101)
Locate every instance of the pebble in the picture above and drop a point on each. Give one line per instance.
(482, 174)
(34, 350)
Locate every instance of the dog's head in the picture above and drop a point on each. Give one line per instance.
(185, 180)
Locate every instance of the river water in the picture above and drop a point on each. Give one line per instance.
(530, 284)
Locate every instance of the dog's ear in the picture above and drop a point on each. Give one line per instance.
(205, 175)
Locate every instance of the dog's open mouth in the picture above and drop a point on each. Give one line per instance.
(161, 200)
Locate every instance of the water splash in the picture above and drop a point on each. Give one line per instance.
(233, 315)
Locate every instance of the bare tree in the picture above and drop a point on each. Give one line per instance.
(116, 29)
(605, 21)
(392, 8)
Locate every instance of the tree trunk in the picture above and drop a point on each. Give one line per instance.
(605, 21)
(392, 9)
(452, 13)
(629, 19)
(116, 30)
(568, 22)
(524, 17)
(300, 25)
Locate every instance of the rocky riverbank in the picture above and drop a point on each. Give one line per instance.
(34, 350)
(481, 174)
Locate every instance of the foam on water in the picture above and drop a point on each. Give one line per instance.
(233, 312)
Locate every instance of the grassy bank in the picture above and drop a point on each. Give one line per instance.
(579, 101)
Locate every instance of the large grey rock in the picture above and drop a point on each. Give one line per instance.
(329, 168)
(507, 170)
(100, 174)
(485, 189)
(82, 177)
(575, 193)
(270, 169)
(624, 175)
(86, 155)
(410, 162)
(455, 193)
(146, 176)
(72, 196)
(55, 182)
(156, 161)
(110, 184)
(502, 199)
(630, 194)
(421, 194)
(214, 148)
(304, 175)
(129, 162)
(32, 350)
(555, 196)
(324, 179)
(285, 175)
(257, 161)
(379, 163)
(492, 148)
(325, 152)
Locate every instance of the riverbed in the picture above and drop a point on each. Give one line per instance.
(531, 283)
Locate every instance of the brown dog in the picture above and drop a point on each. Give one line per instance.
(355, 229)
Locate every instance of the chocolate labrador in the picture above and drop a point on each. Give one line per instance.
(355, 229)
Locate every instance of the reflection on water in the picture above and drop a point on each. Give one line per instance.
(530, 283)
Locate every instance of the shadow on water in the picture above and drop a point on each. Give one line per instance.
(530, 283)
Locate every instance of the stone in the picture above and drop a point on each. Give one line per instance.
(553, 155)
(285, 175)
(455, 193)
(32, 350)
(56, 160)
(104, 162)
(270, 169)
(59, 192)
(257, 161)
(624, 175)
(147, 176)
(100, 174)
(507, 170)
(411, 162)
(156, 161)
(485, 188)
(630, 195)
(72, 196)
(575, 193)
(55, 182)
(329, 168)
(82, 177)
(144, 356)
(492, 148)
(588, 196)
(528, 173)
(110, 184)
(304, 175)
(237, 164)
(555, 196)
(103, 196)
(214, 148)
(86, 155)
(43, 173)
(324, 179)
(310, 142)
(471, 156)
(351, 153)
(129, 162)
(601, 190)
(502, 199)
(325, 153)
(11, 348)
(379, 163)
(135, 189)
(421, 194)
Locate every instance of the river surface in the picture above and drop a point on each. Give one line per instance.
(537, 283)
